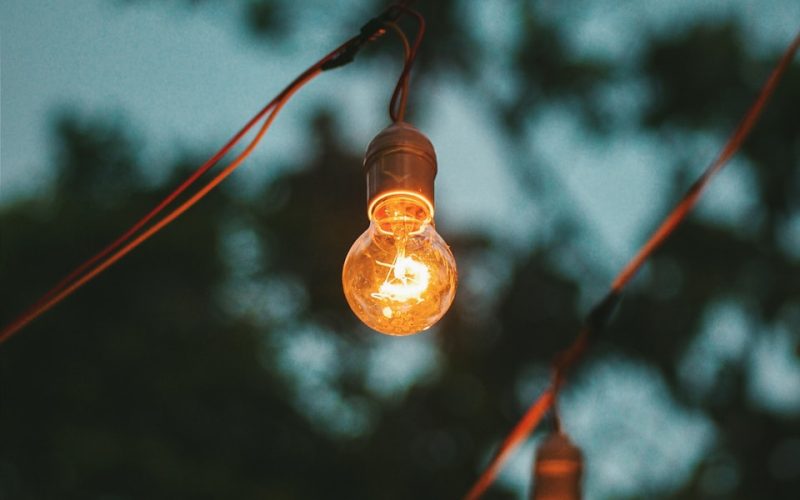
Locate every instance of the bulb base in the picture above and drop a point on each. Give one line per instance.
(400, 161)
(558, 470)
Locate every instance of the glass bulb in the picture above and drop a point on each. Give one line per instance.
(400, 277)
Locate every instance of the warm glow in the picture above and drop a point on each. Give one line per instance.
(400, 277)
(407, 279)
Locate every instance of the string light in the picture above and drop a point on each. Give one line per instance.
(400, 277)
(558, 469)
(601, 313)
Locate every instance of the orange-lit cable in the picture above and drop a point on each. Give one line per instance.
(403, 40)
(102, 260)
(205, 167)
(105, 258)
(600, 313)
(693, 194)
(60, 295)
(520, 431)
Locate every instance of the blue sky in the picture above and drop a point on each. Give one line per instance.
(185, 79)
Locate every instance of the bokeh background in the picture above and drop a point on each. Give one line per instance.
(220, 359)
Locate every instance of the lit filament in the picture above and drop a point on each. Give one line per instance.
(407, 280)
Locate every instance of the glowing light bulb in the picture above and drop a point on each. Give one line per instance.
(400, 277)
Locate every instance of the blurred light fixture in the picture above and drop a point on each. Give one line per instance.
(558, 469)
(400, 277)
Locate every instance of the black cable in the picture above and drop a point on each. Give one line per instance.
(397, 113)
(373, 29)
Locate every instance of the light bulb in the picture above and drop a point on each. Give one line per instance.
(400, 277)
(558, 469)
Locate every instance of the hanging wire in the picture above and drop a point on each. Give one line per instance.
(601, 313)
(197, 174)
(54, 298)
(105, 258)
(129, 240)
(397, 104)
(407, 51)
(403, 39)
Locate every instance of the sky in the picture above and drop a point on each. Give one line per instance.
(187, 79)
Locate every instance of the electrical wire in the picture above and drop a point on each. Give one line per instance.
(601, 313)
(119, 248)
(86, 272)
(407, 51)
(155, 211)
(397, 109)
(403, 39)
